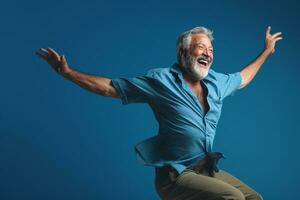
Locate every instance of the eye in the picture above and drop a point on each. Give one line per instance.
(200, 47)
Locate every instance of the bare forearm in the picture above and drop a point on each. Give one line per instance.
(96, 84)
(249, 72)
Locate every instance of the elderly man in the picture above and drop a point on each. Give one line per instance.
(186, 100)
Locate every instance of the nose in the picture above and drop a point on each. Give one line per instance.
(205, 52)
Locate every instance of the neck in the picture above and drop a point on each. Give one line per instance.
(189, 79)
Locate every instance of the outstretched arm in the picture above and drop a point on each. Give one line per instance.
(96, 84)
(251, 69)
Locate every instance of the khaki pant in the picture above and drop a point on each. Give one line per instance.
(193, 185)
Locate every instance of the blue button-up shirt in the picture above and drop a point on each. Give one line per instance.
(185, 133)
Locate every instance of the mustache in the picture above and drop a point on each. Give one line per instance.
(204, 57)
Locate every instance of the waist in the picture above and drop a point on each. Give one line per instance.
(207, 165)
(167, 169)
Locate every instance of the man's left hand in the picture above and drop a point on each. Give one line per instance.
(271, 40)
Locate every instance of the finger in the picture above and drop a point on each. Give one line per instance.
(268, 30)
(41, 56)
(279, 38)
(44, 50)
(63, 59)
(276, 35)
(53, 53)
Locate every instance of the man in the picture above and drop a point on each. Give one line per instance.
(187, 101)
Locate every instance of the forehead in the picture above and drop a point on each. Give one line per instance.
(201, 38)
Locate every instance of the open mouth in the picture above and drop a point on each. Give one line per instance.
(203, 61)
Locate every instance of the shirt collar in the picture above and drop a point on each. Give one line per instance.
(176, 68)
(177, 72)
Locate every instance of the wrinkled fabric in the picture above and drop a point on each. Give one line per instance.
(185, 132)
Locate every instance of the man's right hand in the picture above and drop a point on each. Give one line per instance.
(56, 61)
(96, 84)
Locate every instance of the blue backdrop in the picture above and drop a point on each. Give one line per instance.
(58, 141)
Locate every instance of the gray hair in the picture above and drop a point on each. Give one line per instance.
(184, 40)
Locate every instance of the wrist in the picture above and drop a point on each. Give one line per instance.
(67, 73)
(267, 51)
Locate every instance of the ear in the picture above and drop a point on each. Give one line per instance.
(180, 56)
(182, 53)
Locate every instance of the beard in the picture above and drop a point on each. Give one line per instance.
(196, 70)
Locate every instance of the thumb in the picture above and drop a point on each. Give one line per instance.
(63, 59)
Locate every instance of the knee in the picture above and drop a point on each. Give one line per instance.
(254, 196)
(259, 197)
(233, 194)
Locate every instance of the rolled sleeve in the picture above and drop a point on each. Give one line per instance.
(229, 83)
(134, 90)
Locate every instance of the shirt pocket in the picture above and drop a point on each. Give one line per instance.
(214, 114)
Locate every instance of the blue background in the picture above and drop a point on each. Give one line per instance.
(58, 141)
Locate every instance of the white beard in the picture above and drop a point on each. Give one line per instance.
(194, 68)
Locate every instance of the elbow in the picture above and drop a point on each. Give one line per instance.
(107, 89)
(110, 91)
(245, 80)
(243, 85)
(105, 92)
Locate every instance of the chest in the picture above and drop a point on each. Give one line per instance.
(201, 94)
(177, 102)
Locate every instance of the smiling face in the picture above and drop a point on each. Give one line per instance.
(199, 57)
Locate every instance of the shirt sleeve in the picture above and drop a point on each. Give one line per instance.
(229, 83)
(134, 90)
